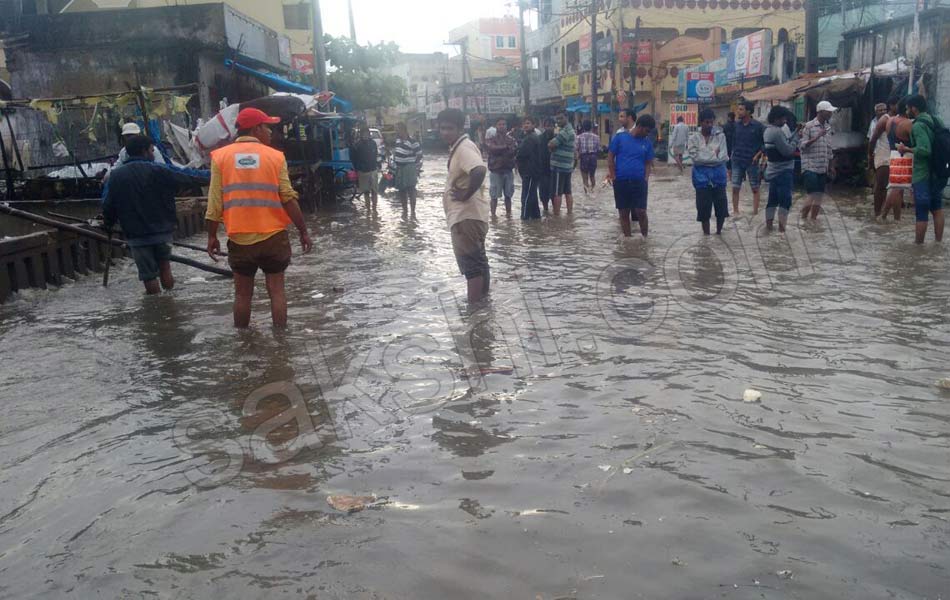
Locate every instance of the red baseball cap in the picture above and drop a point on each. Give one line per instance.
(252, 117)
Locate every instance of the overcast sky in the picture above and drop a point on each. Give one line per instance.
(416, 25)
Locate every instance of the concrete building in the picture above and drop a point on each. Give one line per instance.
(288, 18)
(888, 40)
(66, 55)
(490, 39)
(633, 31)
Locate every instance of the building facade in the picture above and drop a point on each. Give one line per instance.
(490, 39)
(632, 33)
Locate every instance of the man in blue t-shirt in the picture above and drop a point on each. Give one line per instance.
(630, 164)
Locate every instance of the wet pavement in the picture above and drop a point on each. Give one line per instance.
(584, 435)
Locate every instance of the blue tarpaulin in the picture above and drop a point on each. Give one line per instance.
(285, 85)
(584, 107)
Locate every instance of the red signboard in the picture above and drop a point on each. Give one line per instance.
(302, 63)
(585, 42)
(644, 53)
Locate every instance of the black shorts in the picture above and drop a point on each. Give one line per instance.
(630, 194)
(271, 255)
(708, 198)
(560, 183)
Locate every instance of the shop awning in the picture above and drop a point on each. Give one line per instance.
(585, 108)
(280, 84)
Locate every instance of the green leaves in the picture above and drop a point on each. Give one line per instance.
(356, 73)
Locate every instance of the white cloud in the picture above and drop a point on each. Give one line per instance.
(416, 25)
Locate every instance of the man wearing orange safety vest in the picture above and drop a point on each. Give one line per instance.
(251, 194)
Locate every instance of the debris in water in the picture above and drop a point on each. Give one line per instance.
(350, 504)
(604, 468)
(944, 383)
(751, 395)
(338, 290)
(627, 470)
(784, 574)
(678, 562)
(334, 225)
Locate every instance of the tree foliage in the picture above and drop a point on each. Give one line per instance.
(356, 74)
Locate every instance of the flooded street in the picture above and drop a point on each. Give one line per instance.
(582, 436)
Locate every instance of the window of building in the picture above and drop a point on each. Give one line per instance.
(297, 16)
(740, 32)
(499, 41)
(512, 42)
(658, 34)
(700, 33)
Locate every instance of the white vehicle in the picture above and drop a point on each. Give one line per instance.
(377, 136)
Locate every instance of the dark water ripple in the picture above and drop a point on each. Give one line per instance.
(583, 436)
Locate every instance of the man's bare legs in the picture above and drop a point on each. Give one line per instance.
(642, 219)
(243, 292)
(735, 200)
(756, 197)
(278, 299)
(165, 275)
(478, 287)
(152, 287)
(938, 225)
(625, 221)
(569, 198)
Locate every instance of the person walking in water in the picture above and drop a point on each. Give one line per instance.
(746, 151)
(588, 151)
(679, 138)
(544, 180)
(816, 158)
(501, 149)
(730, 130)
(708, 150)
(251, 194)
(407, 159)
(780, 149)
(928, 186)
(529, 167)
(364, 161)
(562, 164)
(629, 166)
(141, 198)
(466, 209)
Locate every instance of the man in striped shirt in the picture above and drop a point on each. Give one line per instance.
(562, 164)
(588, 150)
(407, 158)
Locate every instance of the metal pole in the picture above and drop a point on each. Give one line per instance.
(319, 55)
(634, 62)
(916, 42)
(593, 62)
(464, 44)
(525, 83)
(873, 62)
(811, 36)
(352, 22)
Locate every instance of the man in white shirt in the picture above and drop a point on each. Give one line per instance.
(130, 130)
(466, 208)
(679, 137)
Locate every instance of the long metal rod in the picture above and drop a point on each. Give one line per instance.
(319, 55)
(78, 220)
(13, 212)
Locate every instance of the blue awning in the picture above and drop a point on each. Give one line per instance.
(285, 85)
(585, 108)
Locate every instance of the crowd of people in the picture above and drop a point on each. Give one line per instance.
(251, 194)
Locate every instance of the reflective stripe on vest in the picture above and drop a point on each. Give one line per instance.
(250, 175)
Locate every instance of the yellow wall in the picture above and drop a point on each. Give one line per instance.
(268, 12)
(688, 18)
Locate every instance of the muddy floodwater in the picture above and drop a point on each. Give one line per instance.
(584, 435)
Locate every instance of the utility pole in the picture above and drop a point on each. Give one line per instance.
(915, 40)
(811, 36)
(634, 61)
(352, 22)
(593, 62)
(319, 55)
(525, 84)
(464, 44)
